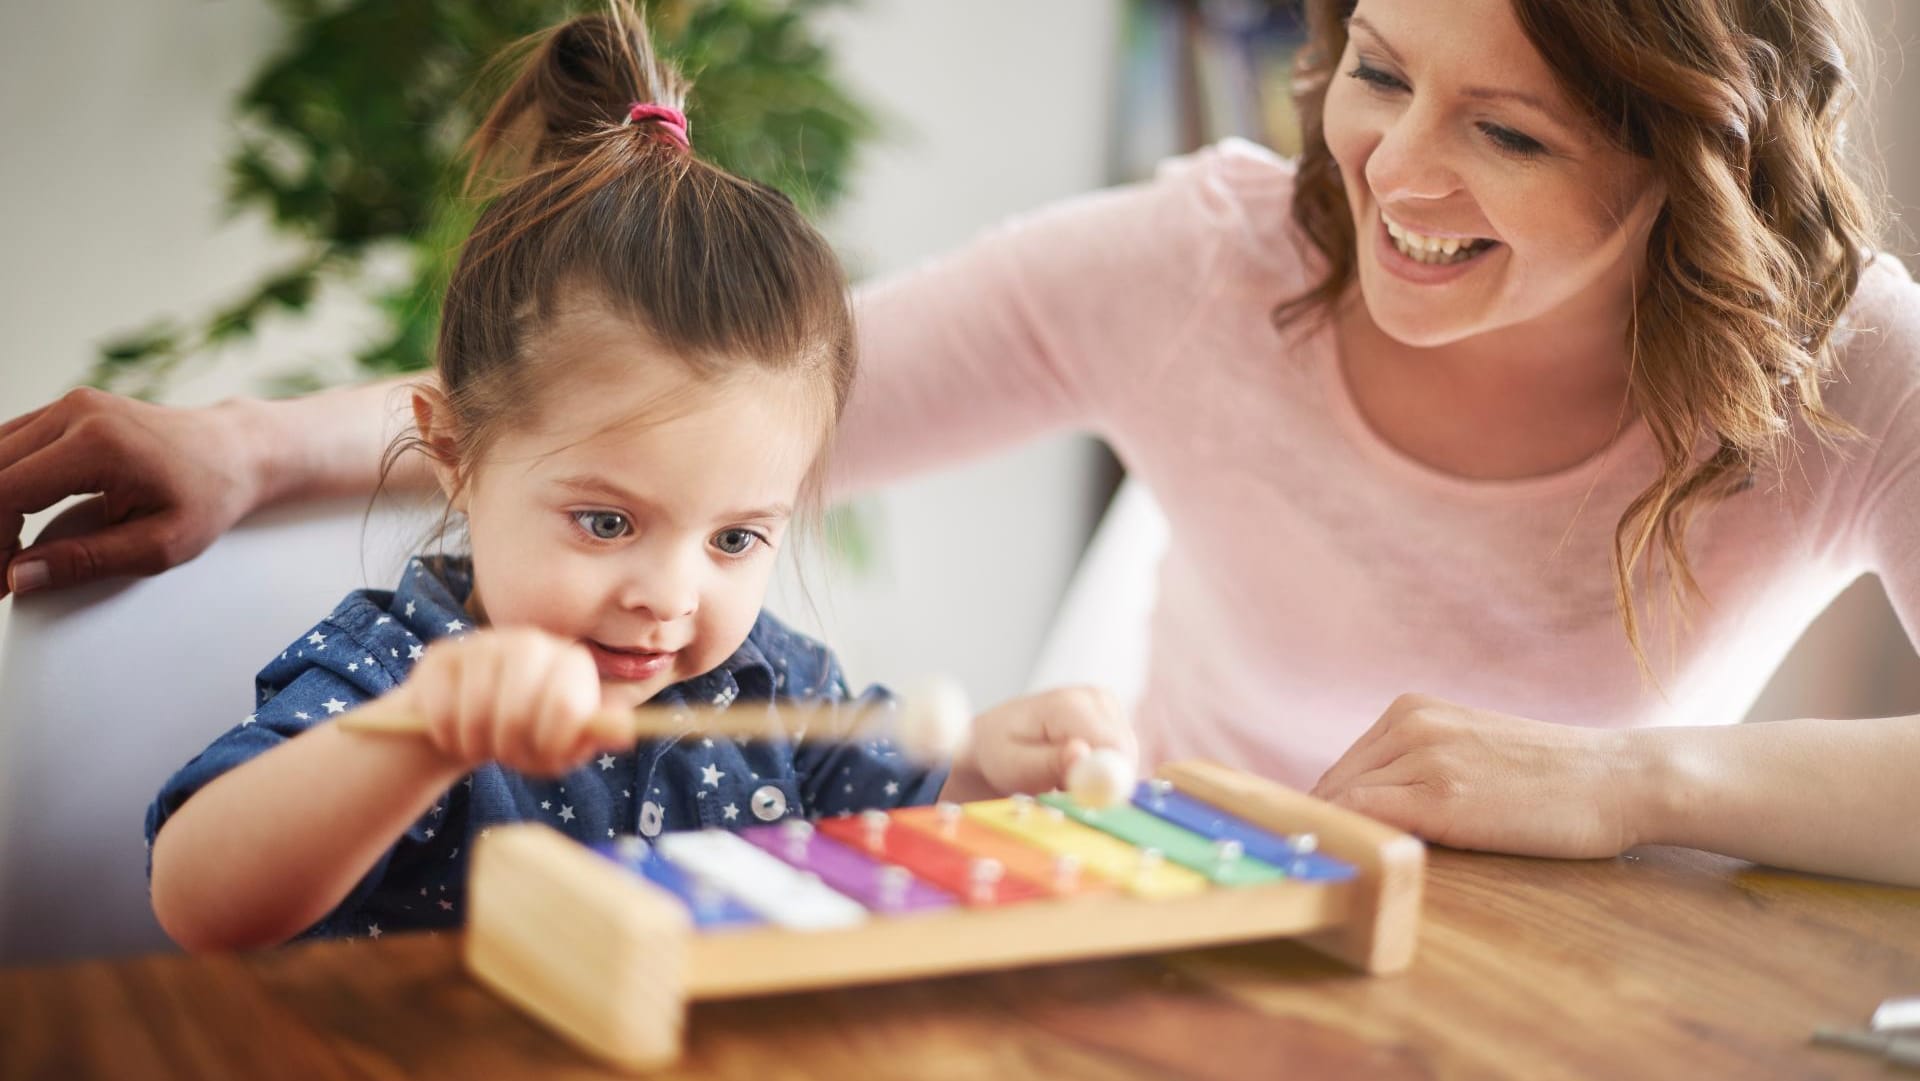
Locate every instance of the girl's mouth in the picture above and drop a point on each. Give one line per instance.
(628, 665)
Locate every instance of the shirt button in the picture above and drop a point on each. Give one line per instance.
(769, 803)
(650, 818)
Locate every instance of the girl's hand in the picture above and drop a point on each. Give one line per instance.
(1471, 778)
(523, 698)
(1028, 744)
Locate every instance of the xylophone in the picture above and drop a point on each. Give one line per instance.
(607, 944)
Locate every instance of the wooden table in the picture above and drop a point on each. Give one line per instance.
(1664, 963)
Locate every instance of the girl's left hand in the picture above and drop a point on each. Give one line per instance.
(1471, 778)
(1028, 744)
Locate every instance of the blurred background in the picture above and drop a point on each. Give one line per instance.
(934, 119)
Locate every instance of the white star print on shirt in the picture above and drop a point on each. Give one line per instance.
(334, 705)
(301, 716)
(454, 626)
(416, 651)
(546, 805)
(248, 721)
(566, 812)
(317, 638)
(710, 774)
(409, 608)
(606, 761)
(729, 812)
(373, 930)
(893, 788)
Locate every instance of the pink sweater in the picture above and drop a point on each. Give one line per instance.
(1314, 572)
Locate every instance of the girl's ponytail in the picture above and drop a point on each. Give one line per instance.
(577, 81)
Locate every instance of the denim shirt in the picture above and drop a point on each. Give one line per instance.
(371, 641)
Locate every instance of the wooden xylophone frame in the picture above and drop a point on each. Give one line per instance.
(610, 960)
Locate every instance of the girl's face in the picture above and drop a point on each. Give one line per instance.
(1450, 132)
(639, 510)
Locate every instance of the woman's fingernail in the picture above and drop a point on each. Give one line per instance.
(29, 576)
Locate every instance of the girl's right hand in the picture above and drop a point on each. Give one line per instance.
(521, 697)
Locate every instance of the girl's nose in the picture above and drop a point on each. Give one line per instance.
(663, 583)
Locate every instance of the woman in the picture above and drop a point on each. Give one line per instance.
(1508, 439)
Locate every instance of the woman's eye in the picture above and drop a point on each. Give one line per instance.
(603, 524)
(735, 541)
(1376, 78)
(1512, 141)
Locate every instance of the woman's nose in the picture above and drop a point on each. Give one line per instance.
(1411, 161)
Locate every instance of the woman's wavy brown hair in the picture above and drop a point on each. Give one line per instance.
(1738, 106)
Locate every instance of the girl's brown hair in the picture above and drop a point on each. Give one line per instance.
(1738, 106)
(593, 198)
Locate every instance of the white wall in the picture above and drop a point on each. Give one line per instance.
(975, 558)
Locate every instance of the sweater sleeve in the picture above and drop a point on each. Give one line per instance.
(1047, 322)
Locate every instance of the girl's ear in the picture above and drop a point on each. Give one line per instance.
(433, 418)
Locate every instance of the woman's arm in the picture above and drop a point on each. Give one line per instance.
(1054, 320)
(1836, 797)
(265, 850)
(170, 480)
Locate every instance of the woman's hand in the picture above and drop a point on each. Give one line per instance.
(523, 698)
(1029, 744)
(170, 481)
(1471, 778)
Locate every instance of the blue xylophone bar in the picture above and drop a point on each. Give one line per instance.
(712, 909)
(1292, 853)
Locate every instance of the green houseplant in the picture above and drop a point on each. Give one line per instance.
(348, 139)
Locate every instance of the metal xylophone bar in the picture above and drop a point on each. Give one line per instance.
(1129, 847)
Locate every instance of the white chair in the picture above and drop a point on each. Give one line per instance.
(1099, 634)
(106, 690)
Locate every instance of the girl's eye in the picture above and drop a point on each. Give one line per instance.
(1512, 141)
(1375, 78)
(735, 542)
(603, 524)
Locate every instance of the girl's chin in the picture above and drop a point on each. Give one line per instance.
(626, 695)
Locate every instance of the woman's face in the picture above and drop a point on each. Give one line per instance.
(1450, 132)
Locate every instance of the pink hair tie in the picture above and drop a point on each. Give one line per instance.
(672, 121)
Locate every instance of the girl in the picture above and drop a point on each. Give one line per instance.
(640, 361)
(1429, 411)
